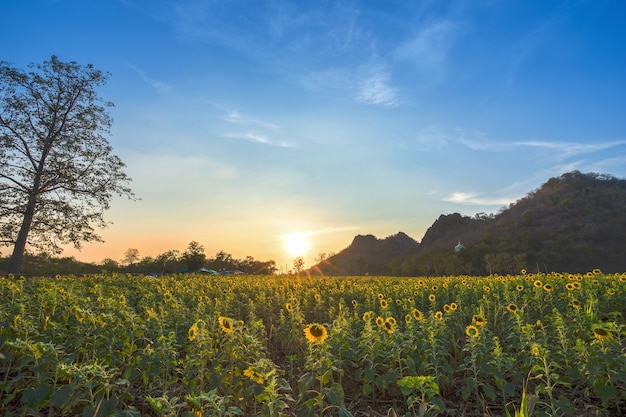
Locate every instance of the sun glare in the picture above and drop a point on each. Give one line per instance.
(296, 244)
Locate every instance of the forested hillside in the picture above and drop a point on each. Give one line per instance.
(575, 222)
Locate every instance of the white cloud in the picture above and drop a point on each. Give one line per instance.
(375, 89)
(474, 199)
(160, 86)
(430, 46)
(233, 116)
(259, 138)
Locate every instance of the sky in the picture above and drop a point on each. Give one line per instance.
(277, 129)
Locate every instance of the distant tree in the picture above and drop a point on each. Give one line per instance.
(109, 264)
(298, 264)
(194, 256)
(130, 257)
(168, 261)
(222, 261)
(57, 171)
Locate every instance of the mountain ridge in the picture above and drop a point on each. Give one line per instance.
(575, 222)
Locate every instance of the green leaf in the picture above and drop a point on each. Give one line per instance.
(62, 396)
(334, 394)
(489, 392)
(36, 397)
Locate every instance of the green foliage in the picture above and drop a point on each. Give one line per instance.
(185, 345)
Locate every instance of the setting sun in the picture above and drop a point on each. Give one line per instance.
(296, 244)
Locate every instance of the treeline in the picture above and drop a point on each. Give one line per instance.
(193, 259)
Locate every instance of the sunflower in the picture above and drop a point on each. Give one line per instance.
(523, 272)
(439, 315)
(548, 287)
(354, 303)
(576, 304)
(601, 334)
(254, 375)
(512, 308)
(226, 324)
(193, 332)
(380, 296)
(380, 321)
(596, 272)
(479, 321)
(417, 314)
(486, 288)
(317, 297)
(453, 306)
(569, 286)
(391, 320)
(446, 308)
(408, 318)
(538, 284)
(472, 331)
(388, 326)
(367, 316)
(534, 350)
(520, 288)
(289, 307)
(383, 304)
(411, 300)
(316, 333)
(432, 298)
(576, 285)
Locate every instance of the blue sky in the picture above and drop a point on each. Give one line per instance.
(242, 122)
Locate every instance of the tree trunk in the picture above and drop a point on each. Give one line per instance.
(15, 264)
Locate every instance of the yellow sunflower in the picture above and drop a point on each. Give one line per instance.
(408, 318)
(520, 288)
(479, 321)
(432, 298)
(367, 315)
(383, 304)
(576, 304)
(388, 326)
(601, 334)
(226, 324)
(472, 331)
(439, 315)
(548, 287)
(254, 375)
(534, 350)
(289, 307)
(538, 284)
(380, 321)
(453, 306)
(193, 332)
(316, 333)
(417, 314)
(512, 308)
(354, 303)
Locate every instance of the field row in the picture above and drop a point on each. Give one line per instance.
(190, 345)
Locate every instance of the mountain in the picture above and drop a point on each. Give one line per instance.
(366, 255)
(575, 222)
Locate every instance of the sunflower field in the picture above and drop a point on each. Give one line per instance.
(194, 345)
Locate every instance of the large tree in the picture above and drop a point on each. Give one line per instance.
(57, 171)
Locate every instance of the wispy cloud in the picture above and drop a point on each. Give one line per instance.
(430, 46)
(475, 199)
(160, 86)
(233, 116)
(259, 138)
(375, 89)
(569, 149)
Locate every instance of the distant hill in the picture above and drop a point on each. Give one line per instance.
(574, 223)
(366, 255)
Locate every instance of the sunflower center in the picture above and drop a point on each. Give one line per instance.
(316, 331)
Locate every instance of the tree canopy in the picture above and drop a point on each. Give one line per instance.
(57, 171)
